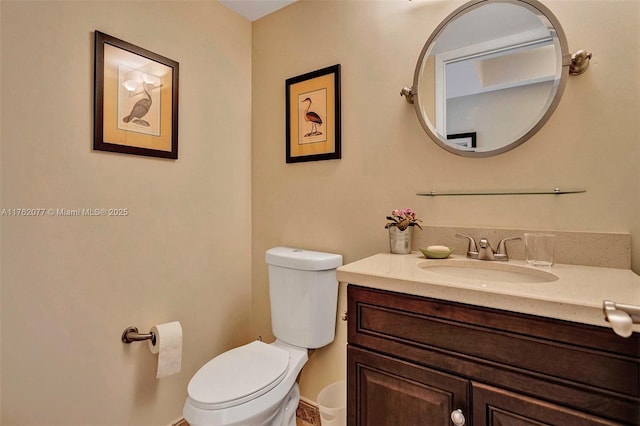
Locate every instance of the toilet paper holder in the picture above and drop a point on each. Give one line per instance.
(130, 334)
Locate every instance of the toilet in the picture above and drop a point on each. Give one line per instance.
(255, 384)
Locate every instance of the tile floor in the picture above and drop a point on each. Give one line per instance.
(306, 415)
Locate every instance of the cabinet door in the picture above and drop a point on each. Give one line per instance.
(388, 392)
(497, 407)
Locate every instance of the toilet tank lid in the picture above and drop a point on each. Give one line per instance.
(306, 260)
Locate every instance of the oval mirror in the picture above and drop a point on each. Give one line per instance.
(490, 76)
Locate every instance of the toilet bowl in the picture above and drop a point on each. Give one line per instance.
(255, 384)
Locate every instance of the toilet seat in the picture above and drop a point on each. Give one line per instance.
(238, 376)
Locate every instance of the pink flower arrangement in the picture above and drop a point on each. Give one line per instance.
(402, 219)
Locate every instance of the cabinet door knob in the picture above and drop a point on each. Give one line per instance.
(457, 417)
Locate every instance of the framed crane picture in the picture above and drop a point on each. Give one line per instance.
(136, 100)
(313, 116)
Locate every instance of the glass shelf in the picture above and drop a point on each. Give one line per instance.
(555, 191)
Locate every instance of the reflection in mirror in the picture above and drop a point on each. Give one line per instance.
(494, 70)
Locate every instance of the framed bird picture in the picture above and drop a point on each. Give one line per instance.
(136, 100)
(313, 116)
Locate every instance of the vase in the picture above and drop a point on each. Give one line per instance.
(400, 241)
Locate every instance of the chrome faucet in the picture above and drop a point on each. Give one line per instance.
(485, 251)
(472, 249)
(502, 254)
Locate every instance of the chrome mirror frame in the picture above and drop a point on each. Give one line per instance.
(568, 61)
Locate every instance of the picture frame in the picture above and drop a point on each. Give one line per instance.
(464, 140)
(313, 122)
(135, 100)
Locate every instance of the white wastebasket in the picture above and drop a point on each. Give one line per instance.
(332, 402)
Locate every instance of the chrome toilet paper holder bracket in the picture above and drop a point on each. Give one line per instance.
(130, 334)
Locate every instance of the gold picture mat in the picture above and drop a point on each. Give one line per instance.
(136, 100)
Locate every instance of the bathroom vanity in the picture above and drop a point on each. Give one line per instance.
(427, 348)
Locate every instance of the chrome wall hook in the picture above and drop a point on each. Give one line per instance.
(407, 93)
(130, 334)
(579, 62)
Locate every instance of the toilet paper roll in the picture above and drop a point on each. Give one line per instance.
(168, 346)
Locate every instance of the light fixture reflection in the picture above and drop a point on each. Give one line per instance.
(130, 85)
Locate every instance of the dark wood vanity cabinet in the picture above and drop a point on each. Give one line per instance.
(396, 392)
(413, 361)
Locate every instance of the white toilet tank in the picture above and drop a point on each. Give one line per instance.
(304, 294)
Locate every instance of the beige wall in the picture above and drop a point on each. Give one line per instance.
(590, 142)
(71, 285)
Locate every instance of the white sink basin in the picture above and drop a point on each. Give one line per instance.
(488, 271)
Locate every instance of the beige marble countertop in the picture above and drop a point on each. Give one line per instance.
(576, 295)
